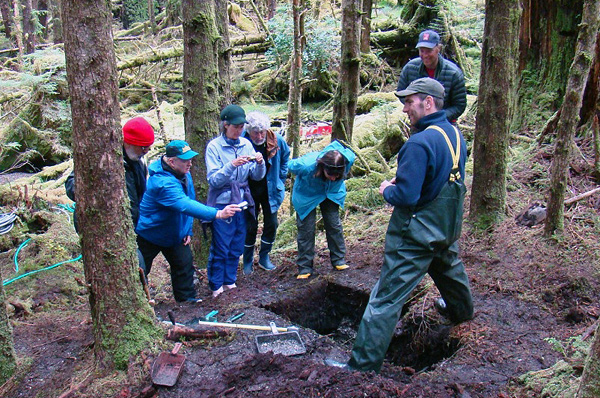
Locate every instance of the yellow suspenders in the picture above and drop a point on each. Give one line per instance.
(455, 173)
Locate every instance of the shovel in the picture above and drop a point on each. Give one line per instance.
(167, 367)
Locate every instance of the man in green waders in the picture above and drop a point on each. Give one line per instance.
(427, 195)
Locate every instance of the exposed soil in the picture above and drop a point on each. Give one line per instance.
(522, 295)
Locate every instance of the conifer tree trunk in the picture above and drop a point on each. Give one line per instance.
(123, 322)
(589, 386)
(295, 92)
(201, 93)
(569, 114)
(365, 36)
(497, 90)
(8, 362)
(18, 32)
(344, 102)
(42, 8)
(57, 34)
(28, 27)
(224, 52)
(152, 16)
(5, 9)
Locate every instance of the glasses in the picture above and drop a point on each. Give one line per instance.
(145, 148)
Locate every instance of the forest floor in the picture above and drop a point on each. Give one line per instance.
(530, 297)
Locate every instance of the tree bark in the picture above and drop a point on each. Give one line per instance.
(18, 32)
(28, 27)
(201, 93)
(8, 361)
(344, 101)
(295, 90)
(57, 32)
(152, 17)
(365, 37)
(123, 322)
(42, 8)
(589, 386)
(569, 118)
(5, 9)
(224, 53)
(495, 110)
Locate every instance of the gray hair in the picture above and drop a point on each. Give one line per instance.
(257, 121)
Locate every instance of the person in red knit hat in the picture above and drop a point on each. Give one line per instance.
(138, 137)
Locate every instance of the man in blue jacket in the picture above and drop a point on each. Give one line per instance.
(431, 64)
(320, 182)
(267, 192)
(427, 194)
(167, 212)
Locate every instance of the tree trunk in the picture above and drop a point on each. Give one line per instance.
(153, 27)
(42, 8)
(200, 96)
(57, 32)
(344, 101)
(18, 32)
(28, 28)
(495, 110)
(295, 98)
(365, 36)
(569, 117)
(589, 386)
(548, 36)
(8, 361)
(5, 9)
(123, 322)
(224, 53)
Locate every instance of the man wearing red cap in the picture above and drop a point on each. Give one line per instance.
(138, 137)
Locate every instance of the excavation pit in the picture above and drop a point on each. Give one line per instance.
(335, 311)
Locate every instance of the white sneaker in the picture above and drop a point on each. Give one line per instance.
(215, 293)
(232, 286)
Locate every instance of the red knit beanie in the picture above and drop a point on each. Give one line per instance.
(138, 132)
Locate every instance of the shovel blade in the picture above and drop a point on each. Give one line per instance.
(167, 368)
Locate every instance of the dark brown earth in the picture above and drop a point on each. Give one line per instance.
(522, 291)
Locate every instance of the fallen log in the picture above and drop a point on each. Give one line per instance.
(177, 332)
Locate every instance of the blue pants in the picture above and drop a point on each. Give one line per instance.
(227, 245)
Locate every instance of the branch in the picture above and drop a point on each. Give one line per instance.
(582, 196)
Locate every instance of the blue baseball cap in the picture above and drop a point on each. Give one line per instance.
(181, 149)
(429, 39)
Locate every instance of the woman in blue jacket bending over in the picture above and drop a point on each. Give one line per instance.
(320, 182)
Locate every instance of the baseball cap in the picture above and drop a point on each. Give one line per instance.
(429, 39)
(181, 149)
(138, 132)
(424, 85)
(233, 114)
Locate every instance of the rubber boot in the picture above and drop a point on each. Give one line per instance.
(264, 261)
(248, 259)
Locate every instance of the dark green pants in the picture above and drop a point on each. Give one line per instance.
(333, 232)
(417, 242)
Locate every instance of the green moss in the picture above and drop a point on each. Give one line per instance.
(368, 198)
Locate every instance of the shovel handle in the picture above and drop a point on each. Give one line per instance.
(240, 326)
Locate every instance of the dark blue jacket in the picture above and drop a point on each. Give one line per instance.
(425, 163)
(168, 208)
